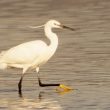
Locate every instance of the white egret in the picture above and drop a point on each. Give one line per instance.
(33, 54)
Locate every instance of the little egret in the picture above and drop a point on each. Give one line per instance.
(33, 54)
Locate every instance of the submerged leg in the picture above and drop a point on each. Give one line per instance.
(20, 81)
(20, 84)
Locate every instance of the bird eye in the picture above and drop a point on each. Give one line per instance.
(55, 24)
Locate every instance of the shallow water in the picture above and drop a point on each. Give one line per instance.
(82, 60)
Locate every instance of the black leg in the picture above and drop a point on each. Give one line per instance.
(45, 85)
(20, 85)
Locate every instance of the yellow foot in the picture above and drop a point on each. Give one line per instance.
(63, 88)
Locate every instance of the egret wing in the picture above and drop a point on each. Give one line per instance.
(25, 53)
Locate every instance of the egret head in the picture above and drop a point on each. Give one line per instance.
(56, 24)
(53, 24)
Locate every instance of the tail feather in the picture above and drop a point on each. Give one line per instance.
(2, 53)
(2, 64)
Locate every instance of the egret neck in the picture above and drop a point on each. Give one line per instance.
(52, 37)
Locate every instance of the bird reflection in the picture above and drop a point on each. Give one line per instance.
(20, 94)
(42, 101)
(59, 91)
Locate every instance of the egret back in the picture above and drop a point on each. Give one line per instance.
(24, 53)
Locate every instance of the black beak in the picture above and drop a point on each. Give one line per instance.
(65, 27)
